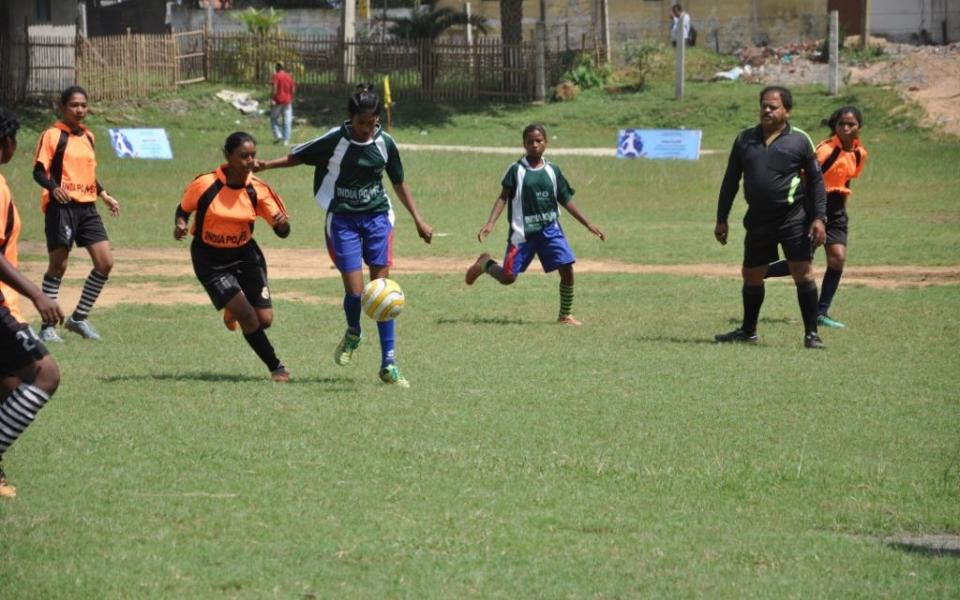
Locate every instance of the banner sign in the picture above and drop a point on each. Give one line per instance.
(681, 144)
(141, 143)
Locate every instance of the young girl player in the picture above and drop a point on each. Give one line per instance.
(348, 183)
(533, 191)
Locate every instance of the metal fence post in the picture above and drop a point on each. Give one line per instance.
(540, 93)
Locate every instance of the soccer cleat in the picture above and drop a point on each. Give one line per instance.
(826, 321)
(49, 334)
(568, 320)
(280, 374)
(345, 349)
(83, 328)
(738, 336)
(6, 490)
(229, 321)
(476, 269)
(390, 374)
(812, 340)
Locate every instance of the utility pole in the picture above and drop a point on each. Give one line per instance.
(833, 77)
(348, 31)
(865, 24)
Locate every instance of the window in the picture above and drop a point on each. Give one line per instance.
(44, 13)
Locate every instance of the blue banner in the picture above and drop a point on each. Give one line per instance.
(140, 143)
(680, 144)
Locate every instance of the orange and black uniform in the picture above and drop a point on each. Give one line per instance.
(226, 258)
(19, 345)
(839, 167)
(66, 158)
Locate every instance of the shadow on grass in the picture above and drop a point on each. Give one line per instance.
(672, 339)
(933, 545)
(484, 321)
(217, 378)
(781, 320)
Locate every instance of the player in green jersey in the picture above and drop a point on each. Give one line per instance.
(533, 190)
(348, 183)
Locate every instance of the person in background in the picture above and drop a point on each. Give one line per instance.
(680, 22)
(281, 111)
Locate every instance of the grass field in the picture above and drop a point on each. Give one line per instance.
(627, 458)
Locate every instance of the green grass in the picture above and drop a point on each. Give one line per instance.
(627, 458)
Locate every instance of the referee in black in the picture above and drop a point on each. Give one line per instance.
(786, 203)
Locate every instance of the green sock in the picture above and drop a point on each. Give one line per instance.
(490, 263)
(566, 300)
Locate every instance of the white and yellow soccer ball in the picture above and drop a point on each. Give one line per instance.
(382, 299)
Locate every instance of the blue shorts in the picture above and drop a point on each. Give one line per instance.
(550, 246)
(354, 239)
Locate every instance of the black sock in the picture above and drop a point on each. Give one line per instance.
(807, 296)
(831, 281)
(261, 345)
(777, 269)
(752, 301)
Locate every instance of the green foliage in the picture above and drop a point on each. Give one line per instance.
(427, 22)
(646, 59)
(260, 21)
(585, 74)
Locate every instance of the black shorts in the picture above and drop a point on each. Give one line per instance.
(789, 232)
(19, 345)
(836, 220)
(225, 272)
(74, 223)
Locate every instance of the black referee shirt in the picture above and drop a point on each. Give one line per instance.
(772, 181)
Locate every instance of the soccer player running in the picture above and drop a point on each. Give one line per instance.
(842, 158)
(226, 258)
(65, 166)
(533, 189)
(28, 373)
(774, 158)
(348, 184)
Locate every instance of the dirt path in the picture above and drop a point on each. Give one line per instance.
(140, 275)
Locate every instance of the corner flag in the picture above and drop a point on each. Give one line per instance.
(387, 97)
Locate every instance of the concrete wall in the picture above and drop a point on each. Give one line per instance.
(916, 20)
(14, 12)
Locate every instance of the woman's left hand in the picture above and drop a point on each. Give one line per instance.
(112, 203)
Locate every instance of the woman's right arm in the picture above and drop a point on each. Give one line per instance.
(278, 163)
(498, 207)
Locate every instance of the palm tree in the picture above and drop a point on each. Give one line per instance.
(424, 26)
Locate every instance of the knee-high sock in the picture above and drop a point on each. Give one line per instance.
(351, 307)
(91, 291)
(831, 281)
(777, 269)
(18, 411)
(807, 297)
(752, 301)
(566, 300)
(51, 289)
(264, 349)
(388, 342)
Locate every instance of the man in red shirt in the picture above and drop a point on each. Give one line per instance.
(282, 100)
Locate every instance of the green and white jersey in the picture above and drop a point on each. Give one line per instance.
(536, 197)
(349, 174)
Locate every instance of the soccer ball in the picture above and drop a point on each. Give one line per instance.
(382, 299)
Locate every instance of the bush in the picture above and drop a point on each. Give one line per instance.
(585, 74)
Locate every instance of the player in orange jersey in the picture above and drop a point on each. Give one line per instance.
(65, 166)
(226, 258)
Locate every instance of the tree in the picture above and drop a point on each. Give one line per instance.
(424, 26)
(511, 39)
